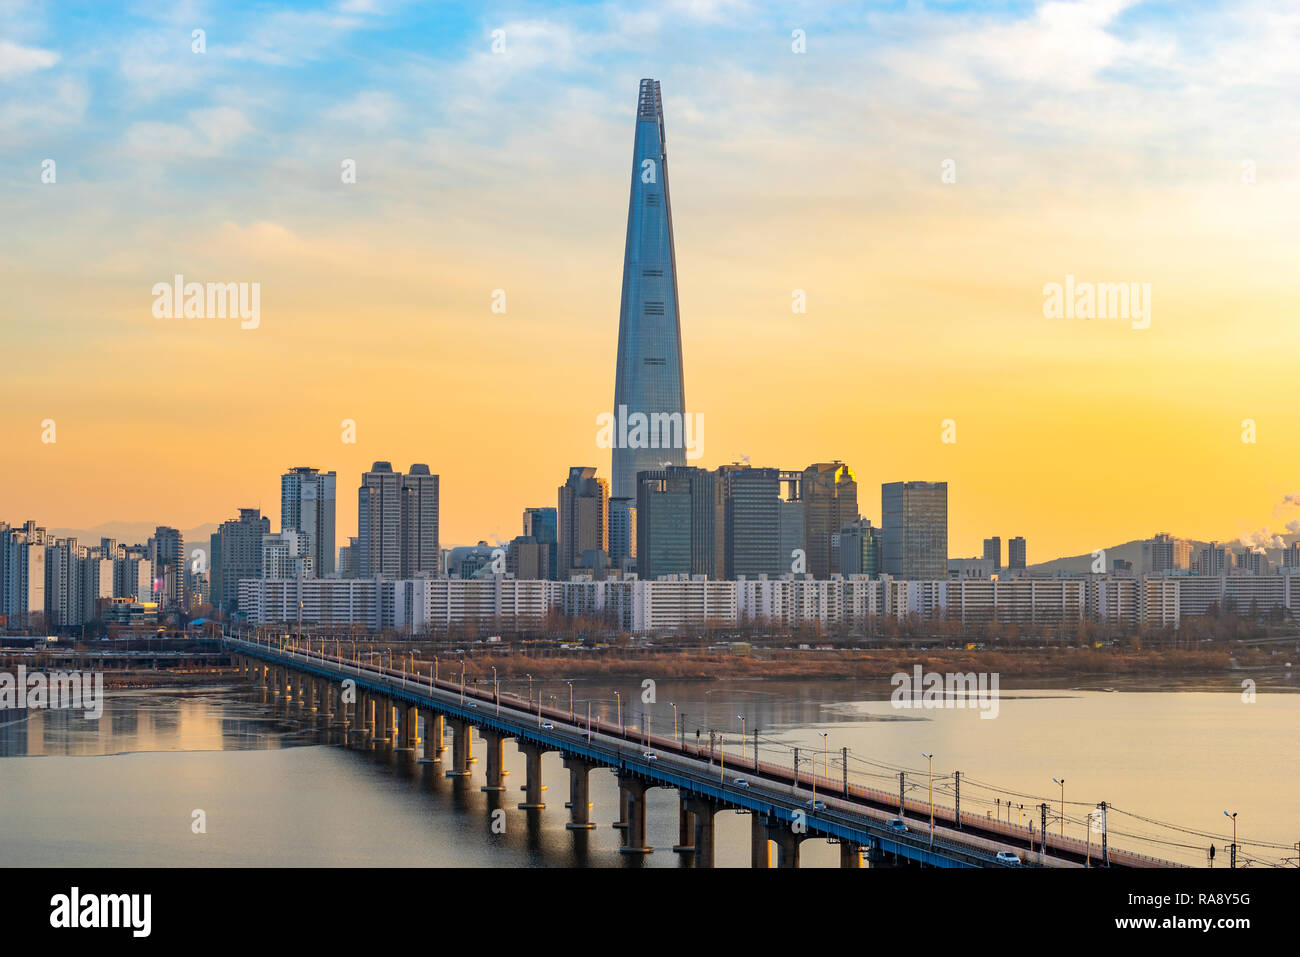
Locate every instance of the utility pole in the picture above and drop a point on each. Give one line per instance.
(756, 750)
(1105, 848)
(844, 752)
(796, 767)
(1043, 836)
(956, 776)
(901, 776)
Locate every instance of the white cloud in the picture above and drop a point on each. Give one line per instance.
(16, 60)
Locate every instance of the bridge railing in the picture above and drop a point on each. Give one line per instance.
(1023, 838)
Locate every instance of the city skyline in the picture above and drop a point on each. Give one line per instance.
(929, 326)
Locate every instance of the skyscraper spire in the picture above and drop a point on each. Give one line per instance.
(648, 377)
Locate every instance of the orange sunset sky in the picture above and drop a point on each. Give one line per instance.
(1107, 141)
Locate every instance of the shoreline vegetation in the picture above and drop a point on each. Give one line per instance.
(1048, 664)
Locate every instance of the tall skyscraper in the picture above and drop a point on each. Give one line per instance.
(915, 529)
(236, 555)
(167, 552)
(792, 541)
(421, 557)
(622, 532)
(22, 595)
(860, 549)
(751, 519)
(1016, 554)
(993, 550)
(648, 377)
(678, 523)
(307, 506)
(583, 515)
(379, 523)
(830, 501)
(542, 525)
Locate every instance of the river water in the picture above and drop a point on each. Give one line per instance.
(276, 787)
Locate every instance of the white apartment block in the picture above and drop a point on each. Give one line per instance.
(431, 605)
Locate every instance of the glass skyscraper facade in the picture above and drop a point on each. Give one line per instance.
(916, 529)
(648, 378)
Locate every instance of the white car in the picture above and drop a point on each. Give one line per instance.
(548, 727)
(740, 782)
(1007, 857)
(650, 756)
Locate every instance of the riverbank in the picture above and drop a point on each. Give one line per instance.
(853, 664)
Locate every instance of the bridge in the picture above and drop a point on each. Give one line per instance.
(785, 806)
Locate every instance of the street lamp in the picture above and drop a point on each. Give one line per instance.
(1233, 815)
(496, 690)
(742, 734)
(530, 691)
(1061, 782)
(674, 720)
(618, 696)
(570, 683)
(930, 758)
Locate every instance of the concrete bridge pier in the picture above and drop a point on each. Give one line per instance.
(327, 698)
(433, 746)
(635, 815)
(787, 844)
(850, 854)
(760, 854)
(408, 735)
(685, 826)
(310, 688)
(384, 720)
(579, 793)
(494, 768)
(701, 811)
(460, 748)
(621, 823)
(533, 786)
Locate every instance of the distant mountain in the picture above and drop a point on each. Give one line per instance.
(133, 533)
(1132, 551)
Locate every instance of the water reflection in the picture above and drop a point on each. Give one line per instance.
(283, 785)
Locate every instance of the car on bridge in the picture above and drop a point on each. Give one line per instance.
(896, 824)
(1009, 858)
(816, 805)
(548, 727)
(650, 756)
(740, 782)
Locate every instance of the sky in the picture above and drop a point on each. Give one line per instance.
(919, 172)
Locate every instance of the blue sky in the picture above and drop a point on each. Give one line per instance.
(1102, 137)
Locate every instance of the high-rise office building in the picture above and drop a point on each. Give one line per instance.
(379, 523)
(648, 376)
(307, 506)
(526, 557)
(860, 549)
(792, 541)
(915, 530)
(993, 550)
(678, 523)
(421, 555)
(1016, 554)
(236, 555)
(829, 492)
(542, 525)
(751, 522)
(583, 515)
(622, 533)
